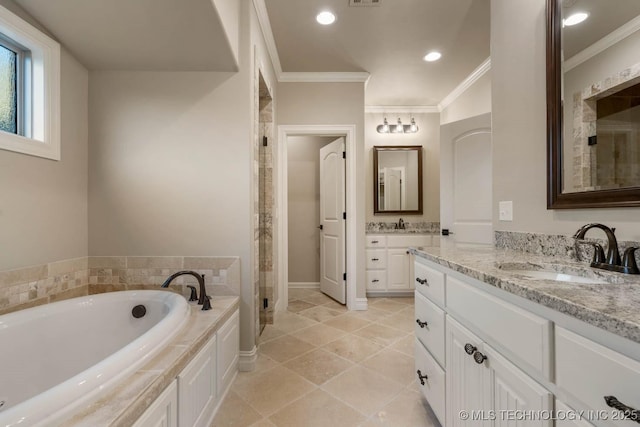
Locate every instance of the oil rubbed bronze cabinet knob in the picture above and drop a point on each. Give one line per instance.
(479, 357)
(470, 349)
(422, 281)
(422, 324)
(628, 412)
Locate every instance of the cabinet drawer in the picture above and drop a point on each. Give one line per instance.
(433, 387)
(376, 258)
(565, 417)
(376, 279)
(376, 241)
(587, 372)
(403, 241)
(429, 282)
(525, 335)
(431, 334)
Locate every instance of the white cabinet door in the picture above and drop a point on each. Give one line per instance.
(197, 388)
(516, 398)
(466, 389)
(163, 412)
(398, 269)
(567, 417)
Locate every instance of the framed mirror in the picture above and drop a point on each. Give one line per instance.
(397, 179)
(593, 104)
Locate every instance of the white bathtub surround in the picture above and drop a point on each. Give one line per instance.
(41, 284)
(124, 404)
(76, 350)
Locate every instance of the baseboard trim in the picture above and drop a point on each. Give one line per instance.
(361, 304)
(390, 294)
(304, 285)
(247, 360)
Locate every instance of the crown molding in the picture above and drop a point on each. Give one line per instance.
(466, 84)
(604, 43)
(313, 77)
(267, 33)
(388, 109)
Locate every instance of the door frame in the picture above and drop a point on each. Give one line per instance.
(349, 134)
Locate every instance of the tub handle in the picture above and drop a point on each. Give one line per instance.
(194, 295)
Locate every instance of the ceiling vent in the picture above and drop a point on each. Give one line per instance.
(365, 2)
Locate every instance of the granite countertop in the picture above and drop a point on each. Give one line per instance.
(126, 401)
(613, 306)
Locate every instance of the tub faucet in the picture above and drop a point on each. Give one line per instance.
(612, 260)
(204, 299)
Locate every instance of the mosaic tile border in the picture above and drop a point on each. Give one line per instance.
(410, 227)
(42, 284)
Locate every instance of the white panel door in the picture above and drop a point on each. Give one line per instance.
(332, 223)
(466, 180)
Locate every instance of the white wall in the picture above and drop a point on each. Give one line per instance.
(428, 137)
(474, 101)
(519, 128)
(171, 163)
(331, 104)
(43, 207)
(303, 156)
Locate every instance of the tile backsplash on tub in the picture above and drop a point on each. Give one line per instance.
(41, 284)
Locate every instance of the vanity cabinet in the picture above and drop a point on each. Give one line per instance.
(389, 263)
(504, 355)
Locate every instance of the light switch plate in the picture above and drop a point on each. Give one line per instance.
(506, 211)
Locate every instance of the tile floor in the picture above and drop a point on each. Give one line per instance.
(320, 365)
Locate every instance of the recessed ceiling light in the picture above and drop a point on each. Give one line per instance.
(575, 19)
(326, 18)
(432, 56)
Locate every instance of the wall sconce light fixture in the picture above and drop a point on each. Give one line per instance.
(385, 127)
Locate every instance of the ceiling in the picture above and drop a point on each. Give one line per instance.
(602, 20)
(388, 41)
(161, 35)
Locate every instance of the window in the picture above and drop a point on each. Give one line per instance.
(29, 89)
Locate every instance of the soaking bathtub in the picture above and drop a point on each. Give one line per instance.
(57, 358)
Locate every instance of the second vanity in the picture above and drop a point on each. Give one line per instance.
(497, 344)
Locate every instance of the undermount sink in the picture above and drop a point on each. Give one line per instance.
(531, 272)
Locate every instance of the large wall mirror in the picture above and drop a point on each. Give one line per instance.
(397, 180)
(593, 104)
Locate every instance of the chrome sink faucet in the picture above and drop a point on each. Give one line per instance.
(612, 260)
(204, 299)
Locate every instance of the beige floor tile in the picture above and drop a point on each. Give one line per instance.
(369, 423)
(335, 305)
(318, 366)
(297, 306)
(363, 389)
(263, 423)
(270, 390)
(392, 364)
(319, 334)
(235, 412)
(291, 322)
(380, 334)
(269, 332)
(407, 409)
(372, 314)
(387, 304)
(264, 362)
(353, 347)
(347, 322)
(285, 348)
(406, 345)
(297, 293)
(400, 321)
(405, 300)
(318, 299)
(317, 409)
(320, 313)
